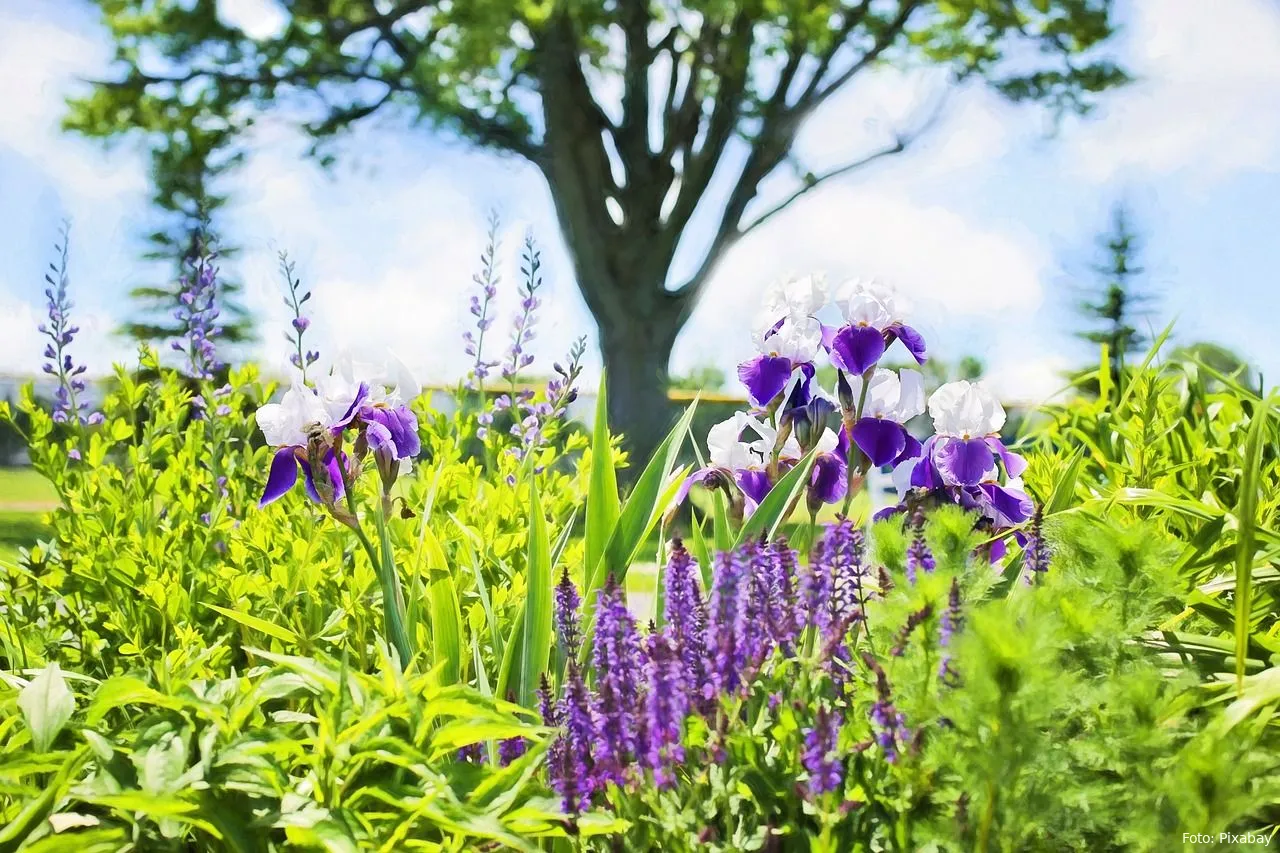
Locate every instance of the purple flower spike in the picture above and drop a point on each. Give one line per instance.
(821, 759)
(198, 313)
(728, 609)
(618, 667)
(69, 406)
(567, 602)
(919, 557)
(530, 267)
(666, 705)
(686, 616)
(1036, 552)
(295, 298)
(571, 766)
(487, 280)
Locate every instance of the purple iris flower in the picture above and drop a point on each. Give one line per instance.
(787, 349)
(965, 456)
(735, 462)
(890, 400)
(306, 426)
(873, 321)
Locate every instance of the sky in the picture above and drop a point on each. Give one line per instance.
(987, 223)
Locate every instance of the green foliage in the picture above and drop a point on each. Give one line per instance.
(293, 753)
(1190, 451)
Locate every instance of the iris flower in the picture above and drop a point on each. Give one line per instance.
(307, 423)
(872, 322)
(965, 455)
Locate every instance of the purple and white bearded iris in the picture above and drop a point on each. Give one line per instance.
(730, 459)
(891, 400)
(965, 455)
(873, 320)
(785, 346)
(307, 426)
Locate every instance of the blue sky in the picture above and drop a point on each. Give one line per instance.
(980, 223)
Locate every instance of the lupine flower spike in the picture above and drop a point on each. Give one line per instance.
(69, 405)
(487, 281)
(197, 313)
(295, 298)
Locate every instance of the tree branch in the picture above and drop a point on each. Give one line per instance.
(731, 230)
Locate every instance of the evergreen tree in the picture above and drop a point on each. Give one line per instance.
(1116, 303)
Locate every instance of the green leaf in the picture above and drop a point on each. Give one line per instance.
(535, 647)
(1246, 537)
(446, 612)
(1064, 490)
(603, 504)
(642, 509)
(47, 705)
(446, 630)
(261, 625)
(777, 505)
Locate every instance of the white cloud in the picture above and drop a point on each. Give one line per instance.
(40, 62)
(259, 19)
(1207, 96)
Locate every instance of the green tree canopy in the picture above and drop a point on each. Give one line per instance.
(627, 107)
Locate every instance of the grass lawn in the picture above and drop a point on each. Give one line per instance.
(24, 497)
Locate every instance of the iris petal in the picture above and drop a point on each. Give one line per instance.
(282, 476)
(855, 349)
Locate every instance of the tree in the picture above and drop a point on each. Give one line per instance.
(629, 108)
(185, 164)
(1117, 302)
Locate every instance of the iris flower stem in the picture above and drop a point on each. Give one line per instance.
(392, 598)
(392, 595)
(849, 424)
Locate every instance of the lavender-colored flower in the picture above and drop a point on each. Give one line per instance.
(836, 585)
(618, 662)
(511, 749)
(685, 614)
(522, 333)
(666, 705)
(821, 758)
(783, 609)
(919, 557)
(567, 602)
(295, 297)
(197, 314)
(487, 280)
(69, 404)
(571, 766)
(890, 723)
(472, 753)
(1036, 551)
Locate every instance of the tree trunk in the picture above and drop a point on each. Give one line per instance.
(636, 354)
